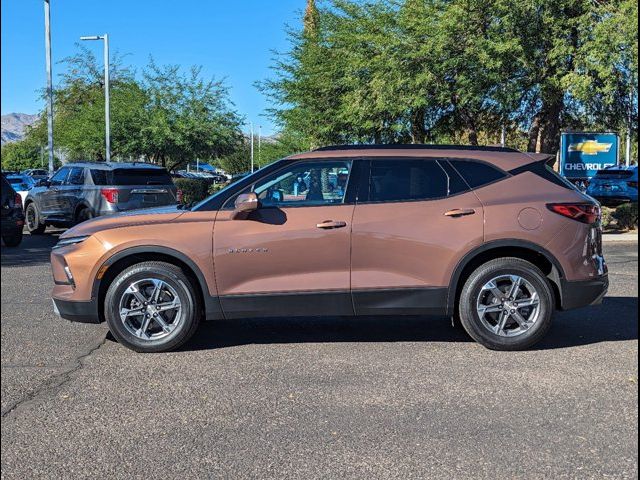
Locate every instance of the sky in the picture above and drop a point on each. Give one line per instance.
(231, 39)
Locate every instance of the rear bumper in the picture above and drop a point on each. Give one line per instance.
(584, 293)
(84, 312)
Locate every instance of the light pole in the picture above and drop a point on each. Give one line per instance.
(259, 145)
(251, 127)
(107, 113)
(47, 47)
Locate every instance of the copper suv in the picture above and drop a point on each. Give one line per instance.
(490, 236)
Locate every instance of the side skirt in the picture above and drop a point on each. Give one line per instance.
(406, 301)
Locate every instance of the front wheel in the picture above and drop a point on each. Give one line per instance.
(32, 220)
(506, 304)
(152, 307)
(83, 215)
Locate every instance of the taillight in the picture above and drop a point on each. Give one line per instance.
(582, 212)
(17, 201)
(110, 194)
(633, 184)
(179, 196)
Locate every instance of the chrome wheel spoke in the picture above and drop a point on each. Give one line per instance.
(522, 322)
(164, 325)
(502, 322)
(494, 308)
(493, 288)
(128, 312)
(515, 287)
(144, 326)
(528, 302)
(157, 289)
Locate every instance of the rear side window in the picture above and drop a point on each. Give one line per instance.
(406, 180)
(131, 176)
(477, 174)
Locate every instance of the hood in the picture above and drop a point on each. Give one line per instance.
(145, 216)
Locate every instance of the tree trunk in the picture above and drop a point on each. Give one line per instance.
(534, 132)
(544, 134)
(418, 132)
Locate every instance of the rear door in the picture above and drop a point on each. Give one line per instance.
(143, 187)
(410, 227)
(70, 193)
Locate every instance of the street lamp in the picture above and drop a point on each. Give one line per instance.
(47, 48)
(107, 120)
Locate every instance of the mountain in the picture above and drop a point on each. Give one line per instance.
(13, 126)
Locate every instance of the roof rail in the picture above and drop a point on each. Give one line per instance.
(415, 146)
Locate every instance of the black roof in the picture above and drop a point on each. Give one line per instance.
(416, 146)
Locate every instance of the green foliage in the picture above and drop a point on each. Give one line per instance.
(626, 216)
(608, 220)
(193, 190)
(168, 117)
(25, 154)
(188, 117)
(457, 71)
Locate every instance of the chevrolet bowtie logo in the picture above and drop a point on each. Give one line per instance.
(590, 147)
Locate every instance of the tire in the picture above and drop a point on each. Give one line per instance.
(496, 320)
(182, 321)
(84, 214)
(12, 240)
(32, 220)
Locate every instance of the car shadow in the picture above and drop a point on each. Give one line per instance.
(33, 250)
(614, 320)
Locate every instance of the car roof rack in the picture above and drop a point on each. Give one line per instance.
(415, 146)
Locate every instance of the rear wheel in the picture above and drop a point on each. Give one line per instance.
(32, 220)
(152, 307)
(12, 240)
(506, 304)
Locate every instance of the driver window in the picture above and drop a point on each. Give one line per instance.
(59, 177)
(305, 184)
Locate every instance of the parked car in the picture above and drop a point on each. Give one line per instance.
(615, 185)
(21, 184)
(80, 191)
(36, 173)
(12, 220)
(491, 236)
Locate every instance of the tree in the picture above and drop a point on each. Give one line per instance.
(188, 117)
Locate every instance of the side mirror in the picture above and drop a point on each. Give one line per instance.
(245, 203)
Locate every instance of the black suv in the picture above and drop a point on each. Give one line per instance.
(12, 218)
(80, 191)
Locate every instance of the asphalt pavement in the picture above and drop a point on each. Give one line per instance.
(317, 398)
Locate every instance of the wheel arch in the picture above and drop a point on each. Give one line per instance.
(523, 249)
(79, 207)
(130, 256)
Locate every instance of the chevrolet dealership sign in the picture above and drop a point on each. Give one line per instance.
(583, 154)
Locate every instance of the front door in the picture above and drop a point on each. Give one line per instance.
(50, 199)
(292, 255)
(408, 232)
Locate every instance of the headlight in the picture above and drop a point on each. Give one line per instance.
(64, 242)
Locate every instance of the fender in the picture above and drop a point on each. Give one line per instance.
(556, 275)
(213, 310)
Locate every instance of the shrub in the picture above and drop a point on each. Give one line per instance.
(607, 218)
(627, 216)
(193, 189)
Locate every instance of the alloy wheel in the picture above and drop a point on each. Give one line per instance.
(508, 305)
(150, 309)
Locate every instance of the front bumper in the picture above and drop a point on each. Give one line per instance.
(584, 293)
(84, 312)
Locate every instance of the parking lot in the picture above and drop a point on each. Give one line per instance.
(317, 398)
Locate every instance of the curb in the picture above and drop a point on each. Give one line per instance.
(620, 237)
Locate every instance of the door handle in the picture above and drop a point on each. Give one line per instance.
(329, 224)
(459, 212)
